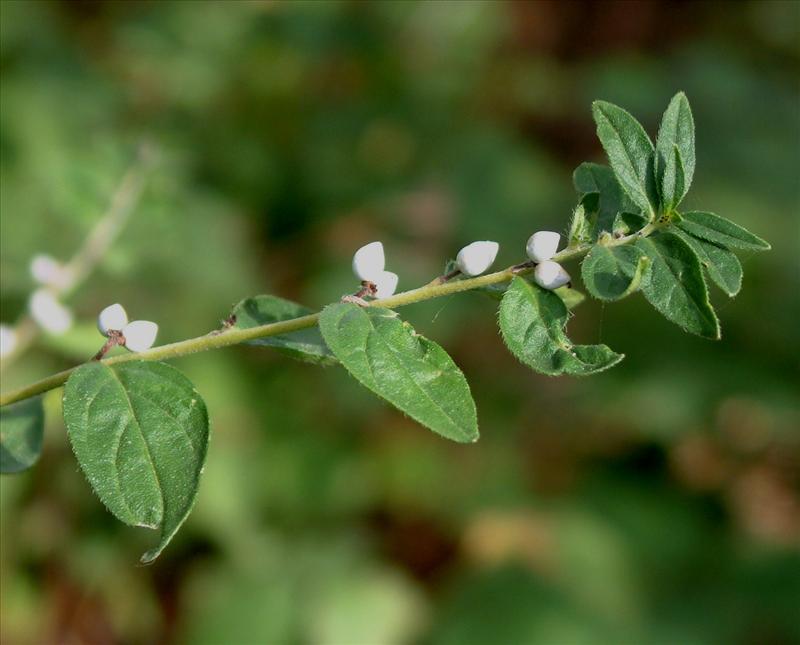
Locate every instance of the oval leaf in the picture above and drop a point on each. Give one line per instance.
(305, 344)
(675, 285)
(21, 432)
(613, 272)
(722, 265)
(411, 372)
(600, 180)
(675, 151)
(140, 433)
(716, 229)
(630, 153)
(532, 322)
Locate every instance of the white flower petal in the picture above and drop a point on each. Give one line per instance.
(140, 335)
(369, 261)
(8, 340)
(48, 312)
(477, 257)
(112, 317)
(543, 245)
(386, 284)
(550, 275)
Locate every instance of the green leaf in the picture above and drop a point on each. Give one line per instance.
(716, 229)
(140, 433)
(21, 432)
(411, 372)
(630, 153)
(571, 297)
(673, 184)
(722, 265)
(613, 272)
(305, 344)
(627, 223)
(675, 285)
(532, 322)
(675, 170)
(580, 228)
(597, 179)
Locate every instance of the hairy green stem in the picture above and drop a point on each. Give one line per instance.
(233, 336)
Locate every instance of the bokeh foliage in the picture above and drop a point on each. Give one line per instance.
(656, 502)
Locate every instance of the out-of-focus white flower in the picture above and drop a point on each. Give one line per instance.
(542, 245)
(112, 317)
(369, 262)
(550, 275)
(140, 335)
(8, 340)
(48, 312)
(477, 257)
(385, 284)
(49, 272)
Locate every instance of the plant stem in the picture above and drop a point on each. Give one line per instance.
(235, 336)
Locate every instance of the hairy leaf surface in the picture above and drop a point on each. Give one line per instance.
(613, 272)
(722, 265)
(597, 179)
(140, 433)
(675, 150)
(716, 229)
(532, 322)
(411, 372)
(21, 432)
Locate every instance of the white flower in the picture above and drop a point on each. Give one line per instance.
(550, 275)
(112, 317)
(48, 312)
(477, 257)
(369, 262)
(49, 272)
(385, 284)
(140, 335)
(542, 245)
(8, 340)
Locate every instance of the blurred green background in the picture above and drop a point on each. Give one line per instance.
(655, 503)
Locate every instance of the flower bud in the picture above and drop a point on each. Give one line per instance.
(542, 245)
(112, 317)
(48, 312)
(49, 272)
(369, 261)
(8, 340)
(477, 257)
(385, 284)
(550, 275)
(140, 335)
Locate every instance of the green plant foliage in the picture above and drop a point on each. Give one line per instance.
(608, 198)
(675, 285)
(722, 265)
(140, 433)
(580, 227)
(613, 272)
(21, 432)
(412, 373)
(716, 229)
(675, 153)
(532, 322)
(305, 344)
(630, 153)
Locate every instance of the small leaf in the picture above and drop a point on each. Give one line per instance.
(613, 272)
(305, 344)
(571, 297)
(627, 223)
(676, 132)
(580, 228)
(675, 285)
(673, 181)
(716, 229)
(411, 372)
(21, 433)
(630, 153)
(140, 433)
(532, 322)
(597, 179)
(722, 265)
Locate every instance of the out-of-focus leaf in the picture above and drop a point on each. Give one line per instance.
(722, 264)
(532, 322)
(675, 285)
(21, 432)
(411, 372)
(630, 153)
(140, 433)
(716, 229)
(305, 344)
(675, 153)
(613, 272)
